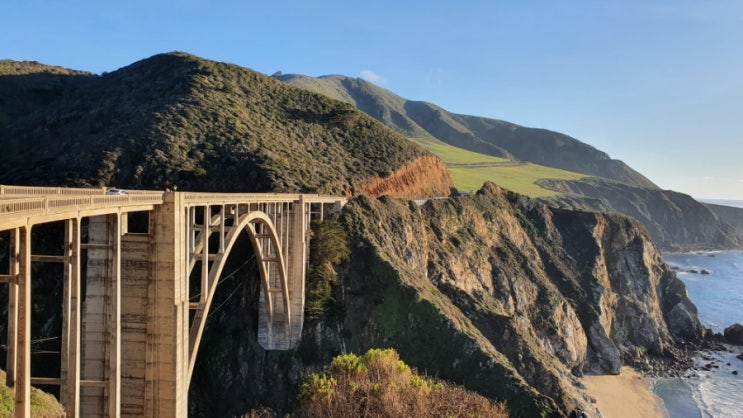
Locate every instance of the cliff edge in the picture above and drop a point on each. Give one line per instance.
(511, 298)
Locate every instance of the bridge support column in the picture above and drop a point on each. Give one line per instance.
(23, 342)
(69, 393)
(15, 250)
(296, 266)
(101, 326)
(136, 272)
(166, 384)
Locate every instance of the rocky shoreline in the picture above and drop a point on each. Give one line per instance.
(680, 361)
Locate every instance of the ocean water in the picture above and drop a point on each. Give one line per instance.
(724, 202)
(719, 299)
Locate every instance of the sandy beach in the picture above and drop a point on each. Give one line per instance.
(624, 396)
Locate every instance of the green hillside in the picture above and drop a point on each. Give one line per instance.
(452, 155)
(176, 120)
(519, 178)
(483, 135)
(470, 170)
(27, 86)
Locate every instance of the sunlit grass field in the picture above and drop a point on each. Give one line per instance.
(518, 178)
(470, 170)
(453, 155)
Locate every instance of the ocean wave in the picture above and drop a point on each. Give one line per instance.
(717, 391)
(718, 297)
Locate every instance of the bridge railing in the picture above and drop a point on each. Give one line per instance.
(22, 205)
(217, 198)
(49, 204)
(46, 191)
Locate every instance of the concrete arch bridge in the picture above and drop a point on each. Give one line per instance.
(135, 302)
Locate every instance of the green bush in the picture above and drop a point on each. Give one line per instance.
(328, 248)
(379, 384)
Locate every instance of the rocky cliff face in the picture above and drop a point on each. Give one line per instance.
(731, 215)
(674, 220)
(509, 297)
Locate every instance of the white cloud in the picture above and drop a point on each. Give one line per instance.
(372, 77)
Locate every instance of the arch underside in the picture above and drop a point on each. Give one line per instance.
(274, 317)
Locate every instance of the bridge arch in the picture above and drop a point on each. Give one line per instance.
(266, 244)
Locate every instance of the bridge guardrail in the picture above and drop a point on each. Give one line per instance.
(212, 198)
(6, 190)
(49, 204)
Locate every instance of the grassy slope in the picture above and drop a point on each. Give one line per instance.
(518, 178)
(477, 134)
(470, 170)
(179, 120)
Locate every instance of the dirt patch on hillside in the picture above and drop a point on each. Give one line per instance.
(423, 177)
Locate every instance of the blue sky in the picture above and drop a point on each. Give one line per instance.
(656, 83)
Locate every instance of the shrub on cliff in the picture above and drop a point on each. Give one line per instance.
(328, 248)
(380, 384)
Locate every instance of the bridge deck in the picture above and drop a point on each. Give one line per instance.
(127, 302)
(21, 205)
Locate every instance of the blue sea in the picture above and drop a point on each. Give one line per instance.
(719, 299)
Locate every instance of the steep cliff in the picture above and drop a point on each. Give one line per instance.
(494, 291)
(731, 215)
(674, 220)
(509, 297)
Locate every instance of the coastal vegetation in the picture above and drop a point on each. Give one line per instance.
(175, 120)
(328, 248)
(379, 384)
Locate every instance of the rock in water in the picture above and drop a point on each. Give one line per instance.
(734, 334)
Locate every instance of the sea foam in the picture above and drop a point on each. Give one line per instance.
(718, 297)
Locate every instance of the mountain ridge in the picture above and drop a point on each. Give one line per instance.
(639, 198)
(176, 118)
(488, 136)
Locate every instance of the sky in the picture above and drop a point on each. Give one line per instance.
(655, 83)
